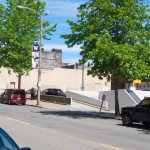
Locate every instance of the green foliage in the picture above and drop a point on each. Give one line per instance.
(115, 37)
(1, 27)
(20, 28)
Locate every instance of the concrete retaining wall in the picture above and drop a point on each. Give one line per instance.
(56, 99)
(95, 98)
(142, 94)
(89, 97)
(124, 99)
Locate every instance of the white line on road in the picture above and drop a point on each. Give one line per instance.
(105, 145)
(18, 121)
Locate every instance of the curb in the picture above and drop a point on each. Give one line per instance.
(104, 114)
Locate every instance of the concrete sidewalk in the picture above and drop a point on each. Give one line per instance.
(47, 105)
(73, 107)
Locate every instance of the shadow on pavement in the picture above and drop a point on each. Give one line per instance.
(140, 128)
(79, 114)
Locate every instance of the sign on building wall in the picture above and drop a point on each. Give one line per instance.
(49, 60)
(137, 81)
(35, 55)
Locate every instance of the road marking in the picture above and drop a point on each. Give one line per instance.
(101, 144)
(19, 121)
(105, 145)
(83, 139)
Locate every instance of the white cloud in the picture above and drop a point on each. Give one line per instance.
(63, 47)
(66, 8)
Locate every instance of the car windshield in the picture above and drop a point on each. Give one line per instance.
(59, 91)
(145, 104)
(21, 92)
(6, 143)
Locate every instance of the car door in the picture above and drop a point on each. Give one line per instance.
(5, 96)
(144, 110)
(136, 115)
(51, 92)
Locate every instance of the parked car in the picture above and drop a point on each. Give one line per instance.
(55, 92)
(13, 96)
(7, 143)
(138, 113)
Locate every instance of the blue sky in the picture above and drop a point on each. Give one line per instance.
(59, 12)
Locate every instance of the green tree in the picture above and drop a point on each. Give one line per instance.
(1, 27)
(21, 29)
(115, 37)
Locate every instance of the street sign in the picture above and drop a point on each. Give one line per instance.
(35, 55)
(35, 48)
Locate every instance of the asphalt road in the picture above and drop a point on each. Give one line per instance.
(50, 129)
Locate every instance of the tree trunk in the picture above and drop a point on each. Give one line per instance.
(117, 110)
(19, 81)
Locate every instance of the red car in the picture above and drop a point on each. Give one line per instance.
(13, 96)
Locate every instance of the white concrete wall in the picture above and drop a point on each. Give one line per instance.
(66, 79)
(89, 97)
(142, 94)
(124, 99)
(94, 98)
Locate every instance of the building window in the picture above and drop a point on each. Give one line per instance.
(12, 85)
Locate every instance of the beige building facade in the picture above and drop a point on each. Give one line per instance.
(65, 79)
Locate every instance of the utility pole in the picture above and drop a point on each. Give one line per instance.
(82, 87)
(39, 63)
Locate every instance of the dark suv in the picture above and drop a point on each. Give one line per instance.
(138, 113)
(13, 96)
(55, 92)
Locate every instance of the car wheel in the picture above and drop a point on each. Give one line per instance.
(146, 124)
(23, 103)
(9, 102)
(1, 101)
(126, 120)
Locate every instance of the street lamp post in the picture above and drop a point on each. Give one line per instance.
(39, 63)
(82, 87)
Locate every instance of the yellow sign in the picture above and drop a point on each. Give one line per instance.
(137, 81)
